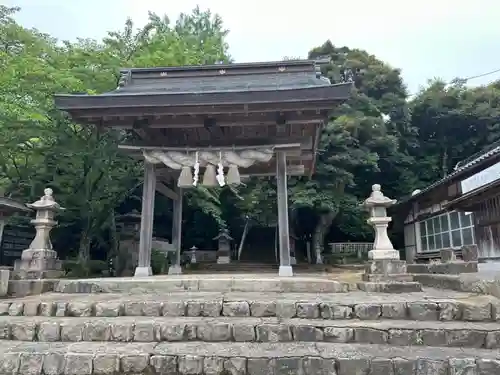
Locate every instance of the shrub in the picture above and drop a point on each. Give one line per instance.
(92, 268)
(159, 262)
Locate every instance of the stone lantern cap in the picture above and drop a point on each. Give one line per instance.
(378, 199)
(46, 202)
(223, 234)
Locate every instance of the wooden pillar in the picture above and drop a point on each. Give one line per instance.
(285, 268)
(175, 268)
(147, 215)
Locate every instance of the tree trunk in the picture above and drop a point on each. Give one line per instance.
(321, 230)
(84, 248)
(113, 253)
(444, 163)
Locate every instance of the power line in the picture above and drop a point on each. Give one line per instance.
(481, 75)
(466, 79)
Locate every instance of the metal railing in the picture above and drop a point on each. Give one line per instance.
(359, 249)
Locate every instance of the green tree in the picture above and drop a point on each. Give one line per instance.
(40, 146)
(453, 123)
(359, 145)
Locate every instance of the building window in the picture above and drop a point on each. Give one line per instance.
(451, 229)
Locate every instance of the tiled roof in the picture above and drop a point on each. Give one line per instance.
(284, 81)
(11, 205)
(221, 78)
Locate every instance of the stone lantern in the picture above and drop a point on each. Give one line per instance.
(129, 224)
(377, 204)
(193, 254)
(384, 264)
(128, 227)
(224, 248)
(40, 260)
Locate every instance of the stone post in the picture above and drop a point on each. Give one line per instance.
(175, 268)
(147, 217)
(384, 264)
(40, 260)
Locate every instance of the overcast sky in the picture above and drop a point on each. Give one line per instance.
(424, 38)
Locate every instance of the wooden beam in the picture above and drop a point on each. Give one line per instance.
(166, 191)
(225, 144)
(223, 120)
(140, 111)
(291, 170)
(282, 146)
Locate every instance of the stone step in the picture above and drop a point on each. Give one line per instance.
(193, 358)
(206, 283)
(157, 329)
(431, 305)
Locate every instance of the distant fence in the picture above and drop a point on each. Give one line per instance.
(349, 249)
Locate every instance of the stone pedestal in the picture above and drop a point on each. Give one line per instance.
(386, 270)
(223, 258)
(40, 261)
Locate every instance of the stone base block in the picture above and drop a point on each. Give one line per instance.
(449, 268)
(36, 275)
(285, 271)
(399, 277)
(390, 287)
(4, 282)
(386, 267)
(175, 270)
(143, 271)
(24, 288)
(470, 253)
(383, 254)
(447, 255)
(223, 260)
(37, 264)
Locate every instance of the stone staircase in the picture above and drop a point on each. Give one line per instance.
(247, 328)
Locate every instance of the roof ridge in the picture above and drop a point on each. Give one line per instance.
(244, 65)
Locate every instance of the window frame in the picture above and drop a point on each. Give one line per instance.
(431, 232)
